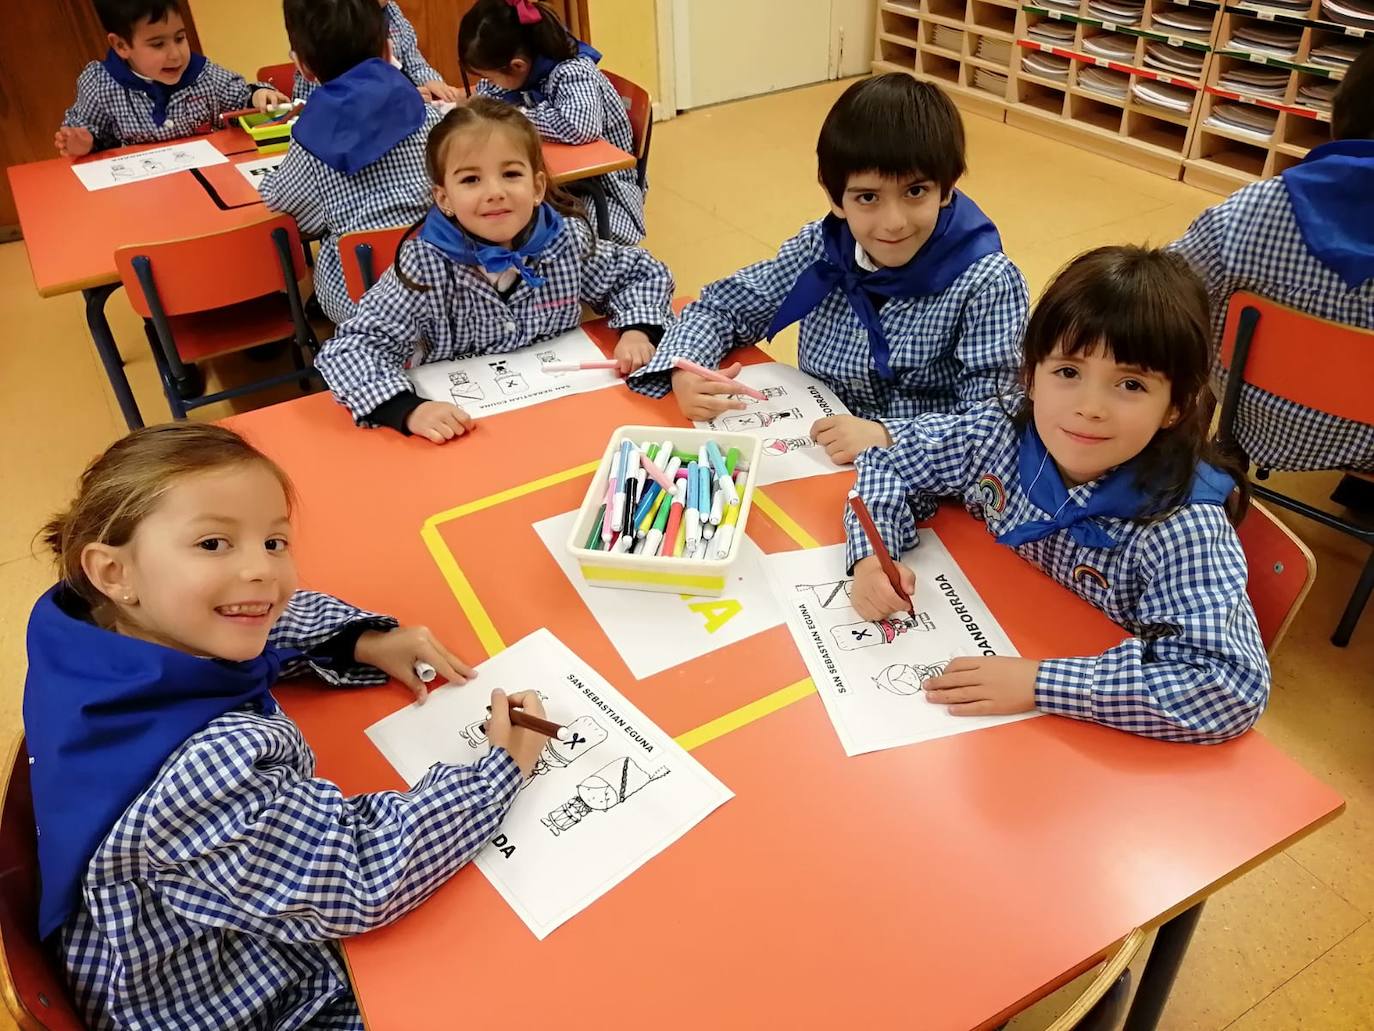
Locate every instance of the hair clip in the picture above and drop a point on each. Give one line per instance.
(526, 11)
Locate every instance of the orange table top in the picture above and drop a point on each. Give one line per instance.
(569, 162)
(942, 886)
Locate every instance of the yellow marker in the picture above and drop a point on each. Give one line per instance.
(725, 535)
(652, 514)
(681, 541)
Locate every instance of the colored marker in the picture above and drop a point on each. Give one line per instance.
(875, 541)
(621, 465)
(646, 503)
(674, 518)
(648, 466)
(657, 532)
(693, 514)
(424, 671)
(661, 504)
(627, 525)
(719, 377)
(731, 460)
(594, 538)
(579, 366)
(717, 505)
(607, 508)
(680, 542)
(727, 531)
(722, 471)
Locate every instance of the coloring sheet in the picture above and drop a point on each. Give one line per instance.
(492, 383)
(596, 808)
(148, 164)
(870, 674)
(784, 421)
(653, 632)
(255, 171)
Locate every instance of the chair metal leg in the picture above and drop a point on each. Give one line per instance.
(164, 372)
(1157, 979)
(109, 353)
(600, 205)
(1355, 606)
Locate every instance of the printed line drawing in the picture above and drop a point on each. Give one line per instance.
(586, 735)
(758, 420)
(832, 595)
(771, 393)
(853, 636)
(907, 678)
(605, 789)
(463, 388)
(510, 383)
(785, 446)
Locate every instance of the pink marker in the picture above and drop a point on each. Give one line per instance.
(719, 377)
(658, 475)
(579, 366)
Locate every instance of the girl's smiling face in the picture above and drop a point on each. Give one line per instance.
(489, 184)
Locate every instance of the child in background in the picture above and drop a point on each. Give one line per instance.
(1304, 238)
(1101, 475)
(405, 55)
(194, 869)
(150, 87)
(357, 156)
(525, 56)
(907, 303)
(502, 261)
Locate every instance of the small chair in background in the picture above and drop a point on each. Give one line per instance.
(366, 255)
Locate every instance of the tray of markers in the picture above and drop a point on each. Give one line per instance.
(678, 542)
(271, 132)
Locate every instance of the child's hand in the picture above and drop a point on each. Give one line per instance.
(523, 745)
(263, 99)
(395, 653)
(989, 685)
(437, 89)
(844, 436)
(72, 141)
(873, 596)
(633, 351)
(438, 421)
(701, 399)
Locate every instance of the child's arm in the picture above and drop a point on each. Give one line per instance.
(326, 630)
(1200, 672)
(988, 339)
(233, 92)
(293, 187)
(88, 125)
(627, 283)
(732, 312)
(573, 111)
(407, 50)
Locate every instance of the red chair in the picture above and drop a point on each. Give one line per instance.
(641, 111)
(1282, 569)
(281, 77)
(211, 295)
(1292, 354)
(31, 978)
(367, 254)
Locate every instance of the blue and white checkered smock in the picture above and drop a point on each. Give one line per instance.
(117, 116)
(1251, 241)
(217, 898)
(1195, 668)
(949, 349)
(581, 106)
(462, 314)
(392, 191)
(405, 55)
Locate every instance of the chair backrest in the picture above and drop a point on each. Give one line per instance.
(1308, 360)
(640, 109)
(30, 979)
(215, 270)
(1281, 572)
(366, 255)
(281, 77)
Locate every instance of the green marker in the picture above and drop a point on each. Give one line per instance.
(731, 458)
(594, 541)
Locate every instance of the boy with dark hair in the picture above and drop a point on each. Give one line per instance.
(150, 87)
(1306, 239)
(906, 302)
(357, 160)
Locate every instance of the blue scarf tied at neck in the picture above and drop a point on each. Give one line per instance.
(441, 232)
(962, 235)
(160, 92)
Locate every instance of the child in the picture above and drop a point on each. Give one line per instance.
(194, 869)
(357, 160)
(1306, 239)
(405, 55)
(907, 303)
(1101, 477)
(525, 56)
(150, 87)
(495, 266)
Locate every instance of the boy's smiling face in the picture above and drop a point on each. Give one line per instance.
(159, 50)
(891, 218)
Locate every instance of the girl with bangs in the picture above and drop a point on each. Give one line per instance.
(1101, 473)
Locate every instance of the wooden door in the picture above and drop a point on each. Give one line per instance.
(436, 24)
(42, 51)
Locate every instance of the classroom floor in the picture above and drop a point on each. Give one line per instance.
(1289, 945)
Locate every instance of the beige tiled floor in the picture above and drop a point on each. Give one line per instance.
(1291, 945)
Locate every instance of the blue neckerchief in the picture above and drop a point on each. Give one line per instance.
(1332, 193)
(356, 119)
(962, 235)
(531, 94)
(159, 92)
(102, 712)
(440, 231)
(1117, 496)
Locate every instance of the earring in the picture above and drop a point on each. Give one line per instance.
(128, 599)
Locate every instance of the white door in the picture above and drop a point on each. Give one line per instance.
(727, 49)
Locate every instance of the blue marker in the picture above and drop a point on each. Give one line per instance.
(722, 474)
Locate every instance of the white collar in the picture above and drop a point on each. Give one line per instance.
(862, 259)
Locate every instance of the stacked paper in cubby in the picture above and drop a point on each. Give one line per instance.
(1113, 46)
(994, 51)
(1334, 54)
(948, 38)
(1359, 13)
(1104, 81)
(1253, 80)
(1055, 33)
(1244, 118)
(1317, 94)
(1177, 21)
(1120, 12)
(1046, 66)
(1063, 5)
(1160, 94)
(1173, 60)
(990, 82)
(1266, 38)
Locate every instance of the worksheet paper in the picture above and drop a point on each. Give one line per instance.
(255, 171)
(870, 674)
(783, 422)
(147, 164)
(653, 632)
(492, 383)
(597, 807)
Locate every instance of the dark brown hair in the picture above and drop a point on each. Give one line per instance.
(334, 36)
(491, 36)
(123, 486)
(896, 126)
(1146, 308)
(120, 17)
(479, 113)
(1352, 108)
